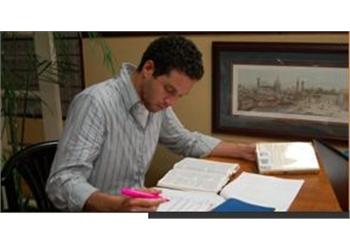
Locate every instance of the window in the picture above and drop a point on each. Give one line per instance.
(21, 70)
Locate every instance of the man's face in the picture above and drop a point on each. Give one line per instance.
(164, 91)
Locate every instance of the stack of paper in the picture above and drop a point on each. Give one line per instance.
(289, 157)
(267, 191)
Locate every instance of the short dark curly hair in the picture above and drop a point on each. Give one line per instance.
(174, 52)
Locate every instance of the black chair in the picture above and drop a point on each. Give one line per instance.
(33, 165)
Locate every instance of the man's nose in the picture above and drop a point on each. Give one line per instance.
(170, 100)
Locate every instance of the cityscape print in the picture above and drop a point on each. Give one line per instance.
(293, 92)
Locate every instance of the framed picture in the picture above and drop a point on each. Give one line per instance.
(281, 89)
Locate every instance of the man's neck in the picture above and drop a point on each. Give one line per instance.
(136, 80)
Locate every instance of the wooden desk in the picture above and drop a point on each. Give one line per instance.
(315, 195)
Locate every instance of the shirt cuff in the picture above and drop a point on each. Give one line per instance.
(207, 144)
(79, 195)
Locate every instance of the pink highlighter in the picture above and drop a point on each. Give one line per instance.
(137, 193)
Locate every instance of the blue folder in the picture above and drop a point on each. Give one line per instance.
(235, 205)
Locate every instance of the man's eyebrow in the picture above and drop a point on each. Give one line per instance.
(174, 90)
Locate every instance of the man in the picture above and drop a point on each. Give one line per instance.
(113, 128)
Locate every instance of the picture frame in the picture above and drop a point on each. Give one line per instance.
(289, 90)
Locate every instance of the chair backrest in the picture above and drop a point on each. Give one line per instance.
(33, 165)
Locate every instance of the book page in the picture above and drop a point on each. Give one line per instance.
(185, 201)
(207, 166)
(294, 156)
(185, 179)
(263, 190)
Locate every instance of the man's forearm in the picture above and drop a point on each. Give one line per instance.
(226, 149)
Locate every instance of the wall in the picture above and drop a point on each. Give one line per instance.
(194, 110)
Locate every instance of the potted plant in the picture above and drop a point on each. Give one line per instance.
(21, 99)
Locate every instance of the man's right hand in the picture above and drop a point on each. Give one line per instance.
(101, 202)
(141, 204)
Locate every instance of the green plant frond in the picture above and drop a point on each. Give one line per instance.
(9, 94)
(5, 125)
(57, 35)
(19, 78)
(93, 37)
(4, 157)
(11, 78)
(93, 34)
(43, 66)
(108, 59)
(37, 97)
(67, 66)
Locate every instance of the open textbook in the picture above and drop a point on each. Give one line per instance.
(198, 175)
(286, 157)
(256, 192)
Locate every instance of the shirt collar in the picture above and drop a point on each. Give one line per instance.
(129, 95)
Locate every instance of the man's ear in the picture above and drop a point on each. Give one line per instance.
(148, 69)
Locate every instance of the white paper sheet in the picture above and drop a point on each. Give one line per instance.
(182, 201)
(286, 157)
(263, 190)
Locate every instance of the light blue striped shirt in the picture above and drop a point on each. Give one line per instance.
(109, 140)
